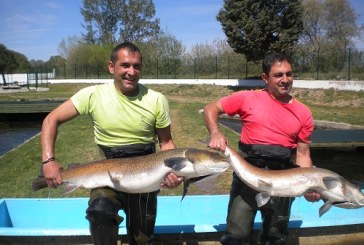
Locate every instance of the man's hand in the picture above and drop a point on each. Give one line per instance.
(313, 196)
(52, 174)
(218, 141)
(171, 181)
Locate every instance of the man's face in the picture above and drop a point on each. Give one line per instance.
(127, 71)
(279, 80)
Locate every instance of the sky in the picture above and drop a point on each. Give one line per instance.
(35, 28)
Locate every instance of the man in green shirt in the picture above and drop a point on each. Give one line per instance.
(127, 117)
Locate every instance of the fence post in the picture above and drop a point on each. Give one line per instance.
(28, 75)
(349, 64)
(175, 68)
(64, 70)
(246, 69)
(36, 78)
(157, 68)
(194, 68)
(75, 70)
(216, 67)
(228, 67)
(318, 63)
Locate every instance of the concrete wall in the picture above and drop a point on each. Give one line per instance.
(313, 84)
(22, 78)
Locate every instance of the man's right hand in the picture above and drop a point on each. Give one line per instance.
(52, 174)
(218, 141)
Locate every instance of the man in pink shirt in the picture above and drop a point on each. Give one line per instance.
(276, 134)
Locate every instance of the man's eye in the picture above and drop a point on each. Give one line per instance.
(279, 75)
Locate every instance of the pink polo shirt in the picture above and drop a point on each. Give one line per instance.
(268, 121)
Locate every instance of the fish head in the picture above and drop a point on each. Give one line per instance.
(354, 197)
(207, 162)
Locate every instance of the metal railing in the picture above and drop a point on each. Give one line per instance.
(347, 64)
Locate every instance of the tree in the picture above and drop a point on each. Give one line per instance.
(8, 63)
(21, 59)
(340, 22)
(329, 23)
(67, 45)
(313, 24)
(137, 21)
(102, 18)
(329, 27)
(111, 21)
(256, 27)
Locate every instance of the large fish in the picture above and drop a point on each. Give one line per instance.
(143, 173)
(334, 189)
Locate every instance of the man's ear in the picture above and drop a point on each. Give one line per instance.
(265, 78)
(111, 67)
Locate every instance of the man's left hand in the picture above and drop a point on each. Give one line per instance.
(171, 181)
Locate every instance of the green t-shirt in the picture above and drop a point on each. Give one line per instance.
(121, 120)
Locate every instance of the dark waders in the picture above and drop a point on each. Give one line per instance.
(105, 203)
(242, 205)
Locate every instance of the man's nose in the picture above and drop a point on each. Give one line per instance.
(131, 70)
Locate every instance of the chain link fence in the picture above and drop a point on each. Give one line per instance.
(347, 64)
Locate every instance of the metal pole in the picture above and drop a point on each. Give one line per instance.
(318, 63)
(246, 69)
(64, 70)
(75, 70)
(175, 68)
(349, 64)
(228, 67)
(157, 68)
(216, 67)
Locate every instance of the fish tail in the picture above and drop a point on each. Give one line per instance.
(39, 183)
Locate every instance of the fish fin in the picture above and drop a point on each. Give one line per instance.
(39, 183)
(68, 188)
(197, 180)
(114, 180)
(186, 185)
(203, 179)
(264, 185)
(262, 198)
(324, 208)
(331, 182)
(175, 163)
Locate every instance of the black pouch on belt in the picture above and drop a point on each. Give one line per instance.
(128, 150)
(271, 156)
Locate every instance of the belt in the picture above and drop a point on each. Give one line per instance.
(268, 156)
(128, 150)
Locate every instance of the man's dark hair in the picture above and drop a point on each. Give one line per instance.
(269, 61)
(125, 45)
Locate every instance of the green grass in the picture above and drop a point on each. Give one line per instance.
(75, 143)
